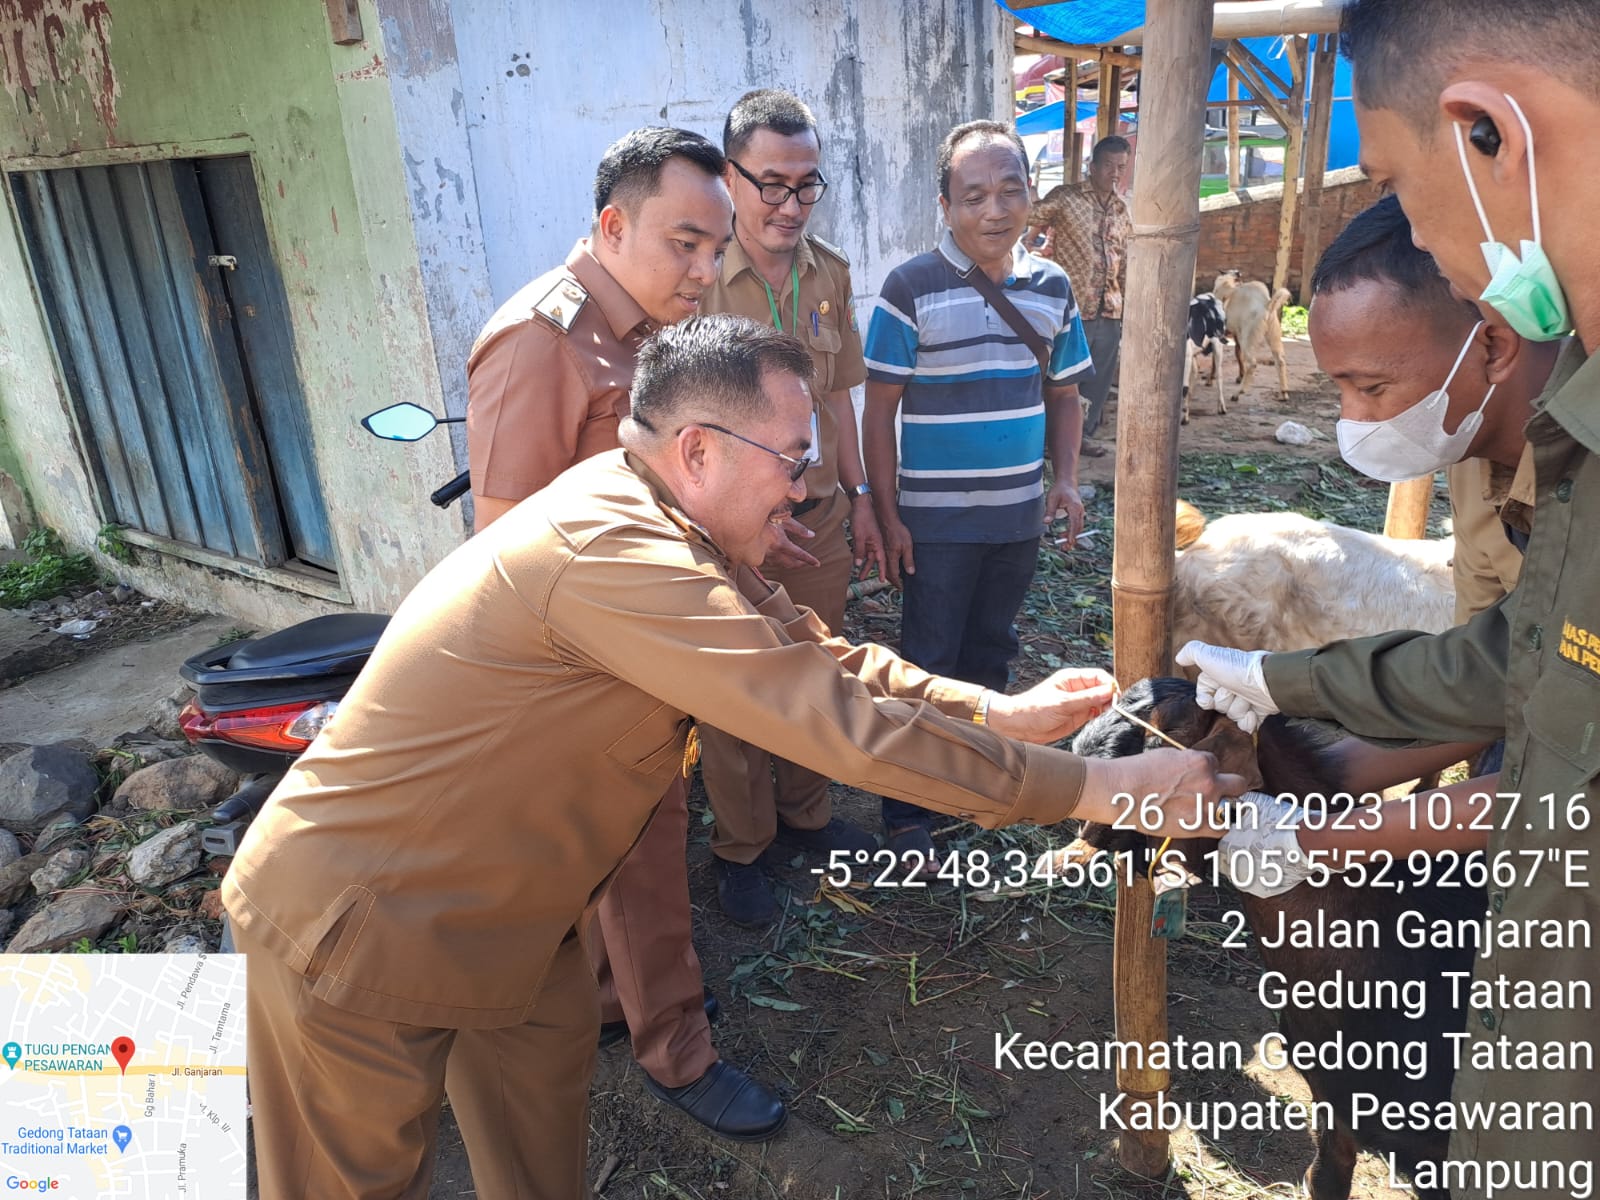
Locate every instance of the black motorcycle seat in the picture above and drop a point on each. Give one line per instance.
(333, 641)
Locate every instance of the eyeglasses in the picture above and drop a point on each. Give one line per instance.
(797, 466)
(777, 194)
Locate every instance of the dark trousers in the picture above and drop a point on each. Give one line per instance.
(1104, 335)
(956, 620)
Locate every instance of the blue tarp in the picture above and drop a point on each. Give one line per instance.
(1095, 22)
(1047, 119)
(1083, 24)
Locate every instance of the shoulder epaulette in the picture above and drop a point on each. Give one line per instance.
(830, 248)
(560, 305)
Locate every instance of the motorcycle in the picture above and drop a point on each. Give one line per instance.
(259, 702)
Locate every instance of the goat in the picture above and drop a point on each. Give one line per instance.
(1208, 331)
(1254, 320)
(1293, 758)
(1281, 581)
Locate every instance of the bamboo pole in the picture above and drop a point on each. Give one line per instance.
(1235, 118)
(1071, 162)
(1028, 43)
(1161, 262)
(1250, 18)
(1245, 68)
(1295, 49)
(1316, 160)
(1407, 515)
(1105, 117)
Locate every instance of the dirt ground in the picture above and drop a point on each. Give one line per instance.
(875, 1012)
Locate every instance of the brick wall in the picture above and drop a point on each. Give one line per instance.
(1240, 229)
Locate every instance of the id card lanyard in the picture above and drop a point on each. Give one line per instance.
(772, 301)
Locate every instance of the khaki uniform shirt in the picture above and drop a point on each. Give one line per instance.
(1089, 241)
(548, 378)
(523, 714)
(1528, 666)
(825, 323)
(1484, 498)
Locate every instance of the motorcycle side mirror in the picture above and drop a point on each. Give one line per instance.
(405, 422)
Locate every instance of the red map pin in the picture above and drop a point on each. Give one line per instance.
(122, 1051)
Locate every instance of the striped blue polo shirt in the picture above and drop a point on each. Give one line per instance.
(972, 421)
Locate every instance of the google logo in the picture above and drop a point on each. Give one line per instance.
(32, 1185)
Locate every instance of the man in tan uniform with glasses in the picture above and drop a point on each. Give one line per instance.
(777, 274)
(423, 869)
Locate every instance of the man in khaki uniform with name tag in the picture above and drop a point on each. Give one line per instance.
(423, 869)
(547, 384)
(778, 274)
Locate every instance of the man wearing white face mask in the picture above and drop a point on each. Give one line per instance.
(1386, 328)
(1480, 130)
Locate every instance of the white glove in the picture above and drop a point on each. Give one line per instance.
(1231, 682)
(1261, 851)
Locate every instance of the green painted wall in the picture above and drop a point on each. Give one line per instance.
(110, 80)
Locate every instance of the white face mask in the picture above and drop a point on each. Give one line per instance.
(1412, 443)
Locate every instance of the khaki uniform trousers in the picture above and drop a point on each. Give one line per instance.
(747, 787)
(346, 1107)
(643, 956)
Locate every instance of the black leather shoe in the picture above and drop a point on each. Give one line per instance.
(745, 894)
(728, 1102)
(612, 1032)
(835, 835)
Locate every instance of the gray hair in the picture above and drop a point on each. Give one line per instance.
(711, 366)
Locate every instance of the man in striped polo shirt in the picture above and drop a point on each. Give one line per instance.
(962, 502)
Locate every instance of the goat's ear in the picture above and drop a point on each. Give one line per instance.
(1235, 750)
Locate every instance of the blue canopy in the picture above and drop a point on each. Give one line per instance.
(1083, 24)
(1102, 22)
(1048, 118)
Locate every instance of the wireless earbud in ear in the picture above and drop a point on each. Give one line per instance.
(1485, 137)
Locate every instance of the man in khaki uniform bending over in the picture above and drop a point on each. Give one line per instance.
(424, 867)
(547, 385)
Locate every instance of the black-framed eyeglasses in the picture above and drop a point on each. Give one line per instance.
(777, 194)
(797, 466)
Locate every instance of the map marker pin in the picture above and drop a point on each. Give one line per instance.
(122, 1051)
(122, 1135)
(12, 1054)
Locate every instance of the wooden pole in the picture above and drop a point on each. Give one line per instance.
(1316, 157)
(1027, 43)
(1070, 165)
(1407, 515)
(1161, 262)
(1247, 71)
(1295, 48)
(1105, 118)
(1235, 116)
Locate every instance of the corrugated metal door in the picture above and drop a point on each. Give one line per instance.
(183, 369)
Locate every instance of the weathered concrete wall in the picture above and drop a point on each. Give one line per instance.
(548, 86)
(431, 117)
(413, 181)
(107, 80)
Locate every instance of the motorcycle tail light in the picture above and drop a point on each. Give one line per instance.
(283, 727)
(193, 722)
(308, 724)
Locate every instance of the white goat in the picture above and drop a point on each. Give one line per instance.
(1255, 322)
(1280, 581)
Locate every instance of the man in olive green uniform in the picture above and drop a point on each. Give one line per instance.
(1484, 119)
(776, 273)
